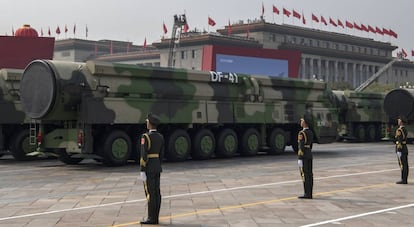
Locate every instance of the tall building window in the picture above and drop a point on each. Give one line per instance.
(183, 54)
(193, 53)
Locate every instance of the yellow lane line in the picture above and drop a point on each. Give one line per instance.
(257, 203)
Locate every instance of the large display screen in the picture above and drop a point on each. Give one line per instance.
(252, 65)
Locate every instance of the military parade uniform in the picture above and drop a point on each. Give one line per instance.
(152, 152)
(305, 140)
(402, 152)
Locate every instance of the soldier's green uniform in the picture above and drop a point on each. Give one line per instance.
(401, 149)
(152, 152)
(305, 141)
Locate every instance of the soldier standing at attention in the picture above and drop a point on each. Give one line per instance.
(152, 152)
(305, 140)
(401, 149)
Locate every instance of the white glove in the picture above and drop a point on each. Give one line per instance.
(300, 163)
(399, 154)
(143, 176)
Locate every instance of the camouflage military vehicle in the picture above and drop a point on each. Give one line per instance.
(397, 102)
(14, 126)
(98, 110)
(361, 115)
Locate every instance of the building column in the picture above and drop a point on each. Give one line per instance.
(326, 70)
(346, 72)
(311, 72)
(336, 71)
(303, 68)
(360, 77)
(320, 69)
(354, 75)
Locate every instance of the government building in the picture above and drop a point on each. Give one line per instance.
(257, 47)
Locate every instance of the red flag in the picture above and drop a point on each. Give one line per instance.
(393, 34)
(404, 53)
(371, 29)
(286, 12)
(412, 53)
(48, 32)
(211, 21)
(275, 10)
(340, 23)
(74, 29)
(303, 19)
(58, 30)
(164, 28)
(66, 29)
(349, 24)
(386, 31)
(262, 9)
(86, 31)
(332, 22)
(145, 43)
(186, 27)
(315, 18)
(357, 26)
(229, 30)
(379, 31)
(296, 14)
(364, 28)
(323, 20)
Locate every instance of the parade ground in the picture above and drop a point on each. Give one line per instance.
(354, 185)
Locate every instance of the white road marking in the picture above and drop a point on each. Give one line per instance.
(359, 215)
(191, 194)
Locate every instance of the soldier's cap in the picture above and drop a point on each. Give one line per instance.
(402, 118)
(153, 119)
(307, 118)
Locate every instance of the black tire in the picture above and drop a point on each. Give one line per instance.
(277, 141)
(204, 145)
(227, 143)
(66, 158)
(178, 146)
(116, 148)
(249, 142)
(20, 145)
(371, 133)
(360, 133)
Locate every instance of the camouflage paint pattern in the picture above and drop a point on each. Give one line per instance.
(398, 102)
(13, 121)
(361, 114)
(99, 94)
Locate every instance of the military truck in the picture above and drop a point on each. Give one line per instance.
(400, 101)
(361, 115)
(14, 126)
(98, 110)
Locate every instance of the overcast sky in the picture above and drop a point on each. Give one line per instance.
(135, 20)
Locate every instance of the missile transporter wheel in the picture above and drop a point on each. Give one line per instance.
(204, 145)
(277, 141)
(360, 133)
(226, 143)
(178, 146)
(67, 159)
(116, 148)
(249, 142)
(20, 145)
(372, 133)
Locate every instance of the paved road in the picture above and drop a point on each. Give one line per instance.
(354, 186)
